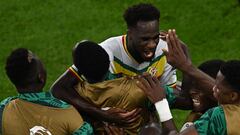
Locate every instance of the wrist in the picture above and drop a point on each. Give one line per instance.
(163, 110)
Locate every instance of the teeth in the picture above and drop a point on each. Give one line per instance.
(196, 102)
(149, 54)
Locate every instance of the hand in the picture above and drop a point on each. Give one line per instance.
(163, 35)
(151, 87)
(177, 54)
(113, 130)
(122, 117)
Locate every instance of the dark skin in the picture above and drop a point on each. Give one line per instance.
(142, 43)
(153, 89)
(143, 40)
(64, 89)
(177, 57)
(222, 91)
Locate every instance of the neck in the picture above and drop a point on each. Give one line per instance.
(133, 51)
(29, 89)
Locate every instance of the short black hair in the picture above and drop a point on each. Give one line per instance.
(91, 60)
(21, 70)
(211, 67)
(141, 12)
(231, 73)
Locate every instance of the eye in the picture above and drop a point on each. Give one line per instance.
(145, 39)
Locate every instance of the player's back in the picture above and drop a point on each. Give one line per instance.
(23, 118)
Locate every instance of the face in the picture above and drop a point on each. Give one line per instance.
(200, 100)
(144, 38)
(222, 91)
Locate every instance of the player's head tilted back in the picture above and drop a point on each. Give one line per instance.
(91, 60)
(227, 86)
(143, 31)
(25, 71)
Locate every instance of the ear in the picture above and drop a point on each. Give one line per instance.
(234, 96)
(41, 78)
(129, 33)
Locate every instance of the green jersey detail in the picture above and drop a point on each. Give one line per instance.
(44, 98)
(85, 129)
(171, 98)
(212, 122)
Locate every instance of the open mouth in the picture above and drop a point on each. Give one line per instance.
(196, 102)
(148, 54)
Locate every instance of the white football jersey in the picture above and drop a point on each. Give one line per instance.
(123, 64)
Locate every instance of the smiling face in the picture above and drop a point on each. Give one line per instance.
(143, 40)
(201, 102)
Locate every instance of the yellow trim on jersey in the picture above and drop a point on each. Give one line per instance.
(124, 42)
(120, 69)
(157, 67)
(75, 73)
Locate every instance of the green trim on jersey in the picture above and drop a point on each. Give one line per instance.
(85, 129)
(44, 98)
(127, 67)
(212, 122)
(170, 96)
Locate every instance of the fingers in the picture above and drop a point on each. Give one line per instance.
(144, 83)
(132, 115)
(155, 79)
(141, 86)
(116, 110)
(165, 52)
(163, 35)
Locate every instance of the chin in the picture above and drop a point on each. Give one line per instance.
(147, 59)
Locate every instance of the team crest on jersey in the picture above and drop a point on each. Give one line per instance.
(152, 71)
(39, 130)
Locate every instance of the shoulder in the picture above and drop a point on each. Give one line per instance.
(111, 41)
(4, 102)
(211, 122)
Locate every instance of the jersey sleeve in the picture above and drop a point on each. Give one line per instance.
(212, 122)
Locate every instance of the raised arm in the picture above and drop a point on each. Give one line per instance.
(176, 56)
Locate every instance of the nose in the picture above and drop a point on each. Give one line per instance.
(151, 44)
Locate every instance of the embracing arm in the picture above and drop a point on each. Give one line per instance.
(63, 89)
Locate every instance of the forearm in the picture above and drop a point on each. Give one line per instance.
(204, 81)
(183, 103)
(64, 89)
